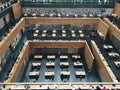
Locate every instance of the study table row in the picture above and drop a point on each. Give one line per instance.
(54, 33)
(50, 74)
(62, 64)
(53, 57)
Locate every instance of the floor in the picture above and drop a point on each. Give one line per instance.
(90, 76)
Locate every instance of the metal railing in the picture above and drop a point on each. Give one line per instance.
(68, 4)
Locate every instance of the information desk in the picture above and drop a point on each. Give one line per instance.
(66, 64)
(49, 74)
(34, 74)
(80, 74)
(117, 64)
(38, 56)
(63, 57)
(50, 64)
(36, 64)
(78, 64)
(51, 57)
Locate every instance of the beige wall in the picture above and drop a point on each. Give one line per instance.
(17, 10)
(102, 67)
(20, 64)
(116, 9)
(5, 43)
(103, 28)
(88, 56)
(113, 30)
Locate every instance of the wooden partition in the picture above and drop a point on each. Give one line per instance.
(55, 44)
(20, 64)
(113, 30)
(38, 20)
(17, 10)
(103, 68)
(116, 9)
(88, 56)
(103, 28)
(5, 43)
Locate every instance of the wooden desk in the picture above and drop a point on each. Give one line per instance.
(36, 64)
(117, 64)
(44, 31)
(80, 73)
(78, 64)
(34, 73)
(82, 36)
(75, 15)
(38, 56)
(42, 15)
(59, 15)
(84, 15)
(99, 15)
(33, 14)
(54, 31)
(25, 14)
(54, 35)
(73, 35)
(63, 35)
(72, 31)
(66, 64)
(49, 74)
(113, 55)
(50, 64)
(110, 46)
(65, 73)
(44, 35)
(80, 31)
(107, 47)
(35, 35)
(67, 15)
(63, 57)
(63, 32)
(50, 15)
(76, 56)
(51, 57)
(91, 15)
(36, 31)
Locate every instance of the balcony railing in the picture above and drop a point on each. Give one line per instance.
(68, 4)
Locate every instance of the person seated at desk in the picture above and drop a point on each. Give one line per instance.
(93, 34)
